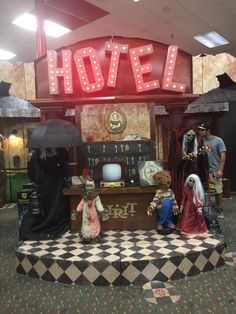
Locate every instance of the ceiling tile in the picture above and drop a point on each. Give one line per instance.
(197, 5)
(166, 9)
(217, 16)
(230, 4)
(140, 16)
(112, 5)
(117, 25)
(228, 32)
(191, 24)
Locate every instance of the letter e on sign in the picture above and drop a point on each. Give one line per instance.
(140, 69)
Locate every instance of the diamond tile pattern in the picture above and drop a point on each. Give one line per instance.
(158, 292)
(230, 258)
(121, 258)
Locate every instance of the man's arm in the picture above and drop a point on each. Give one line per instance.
(222, 164)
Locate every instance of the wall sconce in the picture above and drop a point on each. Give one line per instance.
(15, 144)
(13, 134)
(16, 161)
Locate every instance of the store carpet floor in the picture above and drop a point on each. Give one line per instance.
(211, 292)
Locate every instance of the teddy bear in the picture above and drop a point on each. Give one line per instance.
(164, 202)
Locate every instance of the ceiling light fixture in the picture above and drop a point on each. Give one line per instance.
(211, 40)
(55, 30)
(28, 22)
(136, 0)
(6, 55)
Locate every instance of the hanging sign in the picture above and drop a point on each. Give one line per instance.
(100, 67)
(96, 83)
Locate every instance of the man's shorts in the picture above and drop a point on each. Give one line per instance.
(217, 182)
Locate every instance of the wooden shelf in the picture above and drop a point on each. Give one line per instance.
(73, 190)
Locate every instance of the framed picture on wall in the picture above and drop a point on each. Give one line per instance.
(147, 170)
(115, 121)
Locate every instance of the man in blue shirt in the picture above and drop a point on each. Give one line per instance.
(216, 157)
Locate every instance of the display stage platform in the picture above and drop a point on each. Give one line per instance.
(121, 258)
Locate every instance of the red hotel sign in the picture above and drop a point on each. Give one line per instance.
(123, 66)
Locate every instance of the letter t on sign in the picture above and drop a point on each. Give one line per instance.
(116, 50)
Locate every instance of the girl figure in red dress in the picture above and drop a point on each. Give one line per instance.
(191, 219)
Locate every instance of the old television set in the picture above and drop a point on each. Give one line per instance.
(112, 173)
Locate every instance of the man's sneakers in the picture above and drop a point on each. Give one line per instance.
(220, 214)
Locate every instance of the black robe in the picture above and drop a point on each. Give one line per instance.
(49, 176)
(180, 168)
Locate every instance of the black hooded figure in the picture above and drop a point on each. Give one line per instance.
(48, 171)
(185, 158)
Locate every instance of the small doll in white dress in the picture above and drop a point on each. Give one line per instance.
(92, 209)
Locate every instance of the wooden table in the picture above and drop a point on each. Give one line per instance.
(126, 207)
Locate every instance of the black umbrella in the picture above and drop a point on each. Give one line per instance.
(54, 133)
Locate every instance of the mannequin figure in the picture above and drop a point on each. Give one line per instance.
(92, 208)
(164, 202)
(48, 170)
(186, 157)
(191, 219)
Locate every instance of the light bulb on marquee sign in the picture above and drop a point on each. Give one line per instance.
(116, 49)
(79, 57)
(140, 69)
(167, 82)
(54, 72)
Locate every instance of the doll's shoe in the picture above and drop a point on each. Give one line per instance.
(159, 227)
(220, 214)
(102, 235)
(86, 241)
(171, 226)
(104, 216)
(95, 240)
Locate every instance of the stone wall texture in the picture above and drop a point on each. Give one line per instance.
(206, 68)
(21, 76)
(93, 121)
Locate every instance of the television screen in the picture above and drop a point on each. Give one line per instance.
(112, 171)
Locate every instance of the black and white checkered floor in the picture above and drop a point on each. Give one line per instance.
(121, 258)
